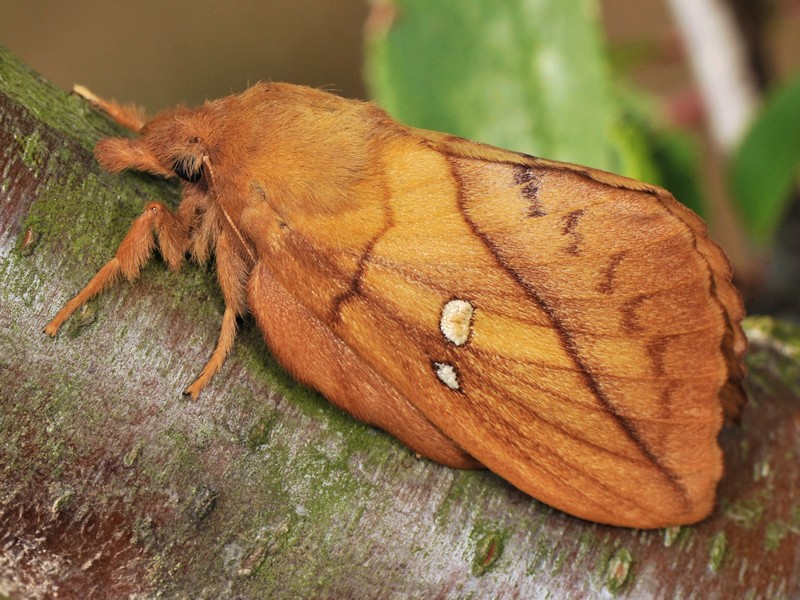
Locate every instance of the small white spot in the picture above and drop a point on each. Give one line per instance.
(447, 375)
(456, 321)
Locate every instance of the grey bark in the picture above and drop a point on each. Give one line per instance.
(114, 485)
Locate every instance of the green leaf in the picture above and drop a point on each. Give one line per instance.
(765, 168)
(677, 158)
(672, 155)
(528, 75)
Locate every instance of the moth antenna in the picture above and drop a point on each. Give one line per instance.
(130, 116)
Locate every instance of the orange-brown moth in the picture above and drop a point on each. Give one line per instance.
(574, 331)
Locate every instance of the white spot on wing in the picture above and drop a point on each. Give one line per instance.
(456, 320)
(447, 375)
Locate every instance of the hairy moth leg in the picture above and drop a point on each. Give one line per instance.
(232, 272)
(227, 335)
(129, 116)
(134, 251)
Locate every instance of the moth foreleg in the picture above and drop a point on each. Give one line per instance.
(134, 251)
(232, 275)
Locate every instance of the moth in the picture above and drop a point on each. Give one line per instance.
(574, 331)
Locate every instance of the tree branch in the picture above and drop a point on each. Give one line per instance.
(114, 485)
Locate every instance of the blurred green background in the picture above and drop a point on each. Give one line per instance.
(605, 83)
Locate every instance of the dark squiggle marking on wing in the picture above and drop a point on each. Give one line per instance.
(570, 229)
(530, 181)
(609, 272)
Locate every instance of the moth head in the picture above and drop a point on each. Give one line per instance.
(168, 146)
(189, 164)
